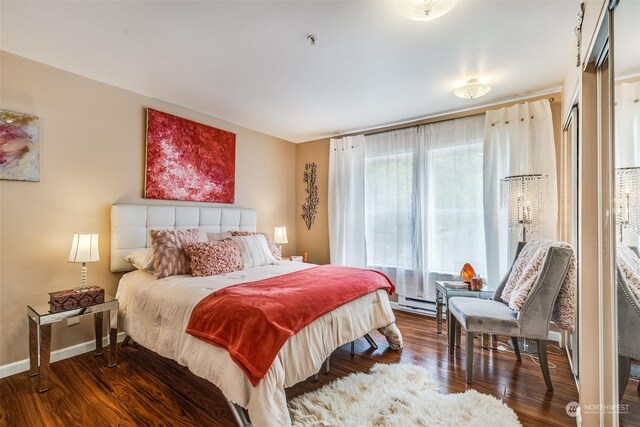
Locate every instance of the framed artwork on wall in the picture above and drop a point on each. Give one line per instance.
(19, 146)
(190, 161)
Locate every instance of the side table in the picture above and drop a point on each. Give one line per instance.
(443, 293)
(40, 320)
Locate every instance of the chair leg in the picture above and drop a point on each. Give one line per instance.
(544, 363)
(516, 348)
(624, 369)
(469, 357)
(451, 330)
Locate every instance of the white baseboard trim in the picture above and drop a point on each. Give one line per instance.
(61, 354)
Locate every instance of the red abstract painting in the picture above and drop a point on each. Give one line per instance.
(188, 160)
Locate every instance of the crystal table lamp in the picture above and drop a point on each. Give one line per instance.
(524, 196)
(280, 237)
(627, 200)
(84, 249)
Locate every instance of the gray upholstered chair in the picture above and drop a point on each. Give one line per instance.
(496, 318)
(628, 332)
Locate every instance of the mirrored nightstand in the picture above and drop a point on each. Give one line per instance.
(40, 320)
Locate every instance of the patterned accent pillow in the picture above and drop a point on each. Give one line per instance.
(527, 279)
(277, 254)
(169, 257)
(213, 258)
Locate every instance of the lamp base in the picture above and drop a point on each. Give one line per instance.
(83, 287)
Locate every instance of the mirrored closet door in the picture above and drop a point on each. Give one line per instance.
(627, 203)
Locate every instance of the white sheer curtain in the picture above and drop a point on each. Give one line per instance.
(627, 125)
(393, 202)
(422, 203)
(346, 202)
(517, 140)
(455, 200)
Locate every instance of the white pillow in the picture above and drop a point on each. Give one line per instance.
(254, 250)
(216, 237)
(142, 259)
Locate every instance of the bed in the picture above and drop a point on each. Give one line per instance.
(155, 312)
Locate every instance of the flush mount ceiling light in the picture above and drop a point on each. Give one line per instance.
(472, 89)
(425, 10)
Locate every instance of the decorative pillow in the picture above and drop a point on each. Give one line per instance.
(170, 258)
(527, 279)
(216, 237)
(525, 272)
(254, 250)
(629, 264)
(142, 259)
(520, 264)
(275, 251)
(213, 258)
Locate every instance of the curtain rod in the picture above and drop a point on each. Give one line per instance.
(449, 116)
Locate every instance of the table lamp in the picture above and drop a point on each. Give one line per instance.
(524, 196)
(84, 249)
(280, 237)
(627, 199)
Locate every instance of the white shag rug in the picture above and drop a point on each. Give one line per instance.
(396, 395)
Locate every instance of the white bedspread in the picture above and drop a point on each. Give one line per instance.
(155, 314)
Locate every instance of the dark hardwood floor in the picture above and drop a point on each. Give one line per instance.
(146, 389)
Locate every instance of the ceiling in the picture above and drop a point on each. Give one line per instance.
(250, 63)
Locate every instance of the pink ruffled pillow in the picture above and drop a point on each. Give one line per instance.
(213, 258)
(169, 257)
(277, 254)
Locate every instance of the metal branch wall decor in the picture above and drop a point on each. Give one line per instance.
(578, 31)
(310, 205)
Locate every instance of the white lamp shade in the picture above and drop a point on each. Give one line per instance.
(84, 248)
(280, 236)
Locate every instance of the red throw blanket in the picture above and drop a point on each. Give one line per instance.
(253, 320)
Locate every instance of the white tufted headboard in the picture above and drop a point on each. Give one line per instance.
(130, 225)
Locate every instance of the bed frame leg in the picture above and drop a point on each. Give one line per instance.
(327, 367)
(238, 414)
(353, 348)
(125, 341)
(371, 342)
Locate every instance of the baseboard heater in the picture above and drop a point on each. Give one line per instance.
(417, 305)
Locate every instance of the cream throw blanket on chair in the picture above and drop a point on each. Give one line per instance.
(524, 274)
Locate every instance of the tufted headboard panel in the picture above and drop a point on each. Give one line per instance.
(131, 224)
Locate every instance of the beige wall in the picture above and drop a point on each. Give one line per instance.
(316, 240)
(92, 155)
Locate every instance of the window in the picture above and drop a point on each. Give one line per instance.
(424, 212)
(455, 210)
